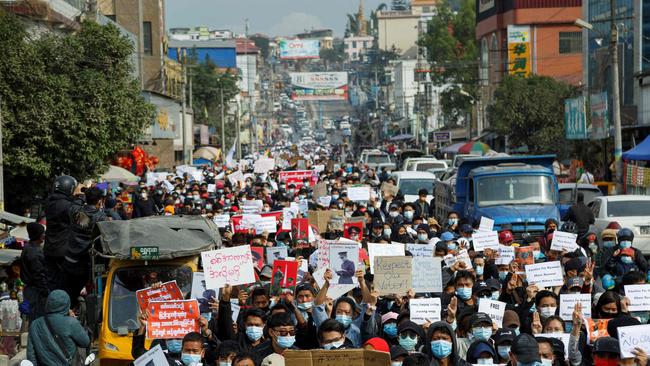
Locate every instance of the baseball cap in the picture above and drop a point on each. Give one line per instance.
(503, 335)
(481, 286)
(606, 345)
(525, 349)
(575, 282)
(396, 351)
(494, 284)
(447, 236)
(388, 316)
(479, 318)
(466, 228)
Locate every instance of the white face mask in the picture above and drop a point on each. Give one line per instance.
(547, 311)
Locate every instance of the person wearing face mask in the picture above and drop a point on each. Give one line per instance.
(463, 284)
(625, 239)
(546, 353)
(408, 211)
(143, 205)
(400, 235)
(607, 248)
(226, 353)
(503, 341)
(480, 327)
(481, 352)
(394, 215)
(524, 351)
(423, 234)
(608, 305)
(306, 328)
(376, 231)
(545, 306)
(448, 238)
(410, 336)
(397, 355)
(622, 262)
(331, 335)
(549, 228)
(442, 347)
(389, 327)
(452, 221)
(282, 336)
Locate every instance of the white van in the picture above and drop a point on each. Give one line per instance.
(409, 183)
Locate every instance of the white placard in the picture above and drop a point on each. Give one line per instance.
(359, 193)
(463, 256)
(153, 357)
(335, 290)
(248, 221)
(263, 165)
(235, 308)
(632, 337)
(639, 296)
(273, 253)
(252, 206)
(325, 200)
(547, 274)
(232, 266)
(235, 177)
(421, 250)
(506, 255)
(287, 215)
(564, 241)
(564, 337)
(487, 224)
(267, 224)
(568, 303)
(425, 310)
(303, 207)
(427, 274)
(222, 221)
(344, 268)
(383, 250)
(212, 188)
(485, 240)
(494, 309)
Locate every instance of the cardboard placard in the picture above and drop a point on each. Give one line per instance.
(347, 357)
(285, 277)
(568, 303)
(393, 275)
(564, 241)
(494, 309)
(388, 188)
(427, 274)
(172, 319)
(383, 250)
(639, 296)
(232, 266)
(319, 190)
(167, 291)
(425, 310)
(320, 219)
(547, 274)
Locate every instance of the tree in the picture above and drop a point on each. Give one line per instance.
(453, 53)
(353, 26)
(262, 42)
(69, 104)
(374, 20)
(334, 55)
(530, 111)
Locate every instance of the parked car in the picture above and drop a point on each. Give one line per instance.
(409, 183)
(629, 211)
(378, 160)
(569, 192)
(424, 164)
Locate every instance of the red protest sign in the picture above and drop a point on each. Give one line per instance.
(167, 291)
(284, 278)
(172, 319)
(296, 177)
(349, 231)
(258, 256)
(239, 227)
(300, 230)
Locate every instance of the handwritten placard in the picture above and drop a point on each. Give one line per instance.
(267, 224)
(569, 301)
(548, 274)
(172, 319)
(383, 250)
(425, 310)
(636, 336)
(487, 224)
(233, 266)
(222, 221)
(639, 296)
(564, 241)
(427, 274)
(393, 275)
(359, 193)
(506, 255)
(485, 240)
(421, 250)
(494, 309)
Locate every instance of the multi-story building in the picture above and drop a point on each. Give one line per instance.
(399, 30)
(356, 46)
(199, 34)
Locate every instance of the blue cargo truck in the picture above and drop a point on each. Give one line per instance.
(518, 190)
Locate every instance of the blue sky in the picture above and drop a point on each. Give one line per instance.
(273, 17)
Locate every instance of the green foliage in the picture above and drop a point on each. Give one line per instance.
(374, 20)
(453, 53)
(207, 83)
(69, 104)
(334, 55)
(263, 44)
(531, 112)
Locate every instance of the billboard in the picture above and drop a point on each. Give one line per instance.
(298, 49)
(575, 118)
(519, 61)
(599, 126)
(319, 86)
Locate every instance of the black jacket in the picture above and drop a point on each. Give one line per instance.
(32, 267)
(143, 208)
(581, 215)
(83, 221)
(57, 213)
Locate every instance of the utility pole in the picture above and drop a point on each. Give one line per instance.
(238, 134)
(2, 178)
(616, 101)
(223, 124)
(183, 111)
(141, 44)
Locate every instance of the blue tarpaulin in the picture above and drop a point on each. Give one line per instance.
(639, 152)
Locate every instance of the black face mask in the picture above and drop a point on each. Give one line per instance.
(606, 315)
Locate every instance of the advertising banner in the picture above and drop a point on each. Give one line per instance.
(599, 126)
(575, 118)
(319, 86)
(519, 61)
(299, 49)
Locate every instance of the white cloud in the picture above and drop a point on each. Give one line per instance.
(293, 23)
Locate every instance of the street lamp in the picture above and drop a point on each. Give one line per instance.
(616, 98)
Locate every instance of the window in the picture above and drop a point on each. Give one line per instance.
(147, 38)
(570, 42)
(354, 44)
(111, 17)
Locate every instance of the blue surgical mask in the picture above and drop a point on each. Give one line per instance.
(190, 360)
(568, 327)
(408, 343)
(409, 215)
(174, 345)
(305, 305)
(547, 362)
(625, 244)
(538, 255)
(464, 293)
(479, 270)
(452, 222)
(387, 232)
(286, 342)
(396, 363)
(452, 246)
(516, 330)
(280, 244)
(344, 319)
(335, 197)
(254, 333)
(495, 295)
(207, 316)
(333, 345)
(423, 237)
(224, 363)
(484, 361)
(609, 244)
(503, 275)
(482, 333)
(533, 309)
(503, 352)
(627, 259)
(441, 349)
(390, 329)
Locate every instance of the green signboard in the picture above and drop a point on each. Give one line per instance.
(145, 253)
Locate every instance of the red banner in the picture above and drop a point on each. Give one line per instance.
(172, 319)
(237, 227)
(167, 291)
(296, 177)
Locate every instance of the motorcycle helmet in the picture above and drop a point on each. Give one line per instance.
(625, 234)
(65, 184)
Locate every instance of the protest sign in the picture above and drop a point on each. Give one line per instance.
(222, 221)
(284, 279)
(236, 177)
(267, 224)
(639, 296)
(564, 337)
(234, 312)
(336, 223)
(485, 240)
(449, 259)
(153, 357)
(359, 193)
(343, 263)
(393, 275)
(569, 301)
(425, 310)
(263, 165)
(487, 224)
(524, 256)
(383, 250)
(303, 207)
(348, 232)
(202, 293)
(427, 274)
(631, 337)
(287, 215)
(463, 256)
(387, 188)
(166, 291)
(258, 256)
(300, 230)
(343, 357)
(494, 309)
(564, 241)
(319, 190)
(421, 250)
(276, 253)
(506, 255)
(172, 319)
(320, 219)
(596, 328)
(252, 206)
(324, 201)
(233, 266)
(297, 177)
(323, 254)
(547, 274)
